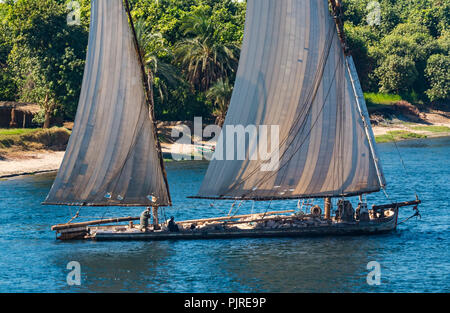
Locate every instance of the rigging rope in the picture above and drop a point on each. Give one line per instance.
(417, 213)
(77, 215)
(304, 111)
(403, 163)
(265, 179)
(267, 210)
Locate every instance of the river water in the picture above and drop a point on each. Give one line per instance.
(416, 258)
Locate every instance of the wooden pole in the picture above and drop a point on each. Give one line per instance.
(155, 218)
(339, 20)
(396, 205)
(127, 219)
(327, 208)
(150, 101)
(225, 218)
(13, 122)
(92, 223)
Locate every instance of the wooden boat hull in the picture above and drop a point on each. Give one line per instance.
(381, 226)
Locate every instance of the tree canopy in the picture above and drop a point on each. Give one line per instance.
(397, 44)
(191, 50)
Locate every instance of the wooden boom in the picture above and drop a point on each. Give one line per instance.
(91, 223)
(216, 219)
(128, 219)
(396, 205)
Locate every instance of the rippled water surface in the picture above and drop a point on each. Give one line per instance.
(414, 259)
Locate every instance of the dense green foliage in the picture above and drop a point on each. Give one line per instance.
(15, 140)
(45, 58)
(401, 46)
(191, 51)
(203, 39)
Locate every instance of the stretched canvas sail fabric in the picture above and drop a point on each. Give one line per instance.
(293, 73)
(111, 158)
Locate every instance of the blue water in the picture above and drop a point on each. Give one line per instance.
(414, 259)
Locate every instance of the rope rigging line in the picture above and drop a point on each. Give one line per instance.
(237, 209)
(417, 213)
(77, 215)
(305, 108)
(416, 209)
(267, 209)
(265, 179)
(213, 205)
(403, 163)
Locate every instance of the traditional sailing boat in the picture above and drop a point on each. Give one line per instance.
(295, 71)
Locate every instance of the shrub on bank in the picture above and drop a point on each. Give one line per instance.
(29, 139)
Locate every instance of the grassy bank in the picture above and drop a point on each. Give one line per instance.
(397, 135)
(13, 141)
(379, 101)
(433, 129)
(412, 131)
(397, 117)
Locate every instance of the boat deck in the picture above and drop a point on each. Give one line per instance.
(279, 226)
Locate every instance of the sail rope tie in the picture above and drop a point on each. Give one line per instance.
(237, 209)
(267, 210)
(74, 217)
(231, 209)
(298, 205)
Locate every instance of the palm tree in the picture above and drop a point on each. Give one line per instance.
(160, 74)
(204, 59)
(220, 93)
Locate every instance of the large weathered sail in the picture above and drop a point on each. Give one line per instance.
(293, 73)
(112, 157)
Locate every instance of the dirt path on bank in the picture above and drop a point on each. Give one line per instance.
(435, 118)
(31, 163)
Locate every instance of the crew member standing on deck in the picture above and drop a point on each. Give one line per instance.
(145, 217)
(173, 227)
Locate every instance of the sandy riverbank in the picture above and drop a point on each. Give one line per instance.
(429, 119)
(27, 163)
(47, 161)
(31, 163)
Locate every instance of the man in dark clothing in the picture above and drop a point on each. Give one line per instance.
(145, 217)
(173, 227)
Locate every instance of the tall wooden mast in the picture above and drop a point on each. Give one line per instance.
(149, 100)
(338, 16)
